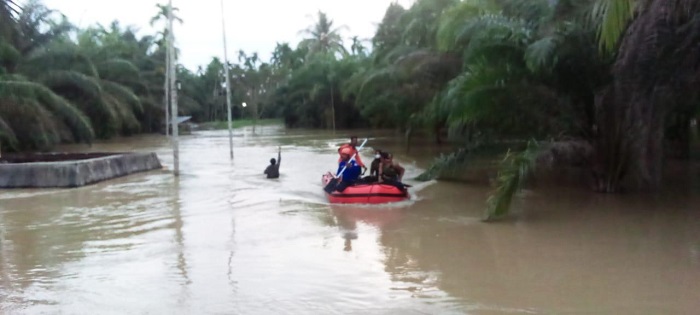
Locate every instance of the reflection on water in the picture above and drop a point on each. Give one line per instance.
(223, 239)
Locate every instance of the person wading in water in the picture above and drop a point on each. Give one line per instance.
(273, 170)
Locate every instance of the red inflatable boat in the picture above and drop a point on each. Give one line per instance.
(365, 193)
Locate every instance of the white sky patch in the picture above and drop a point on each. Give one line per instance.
(251, 25)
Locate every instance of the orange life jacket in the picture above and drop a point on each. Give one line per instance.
(354, 151)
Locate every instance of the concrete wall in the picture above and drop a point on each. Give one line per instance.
(75, 173)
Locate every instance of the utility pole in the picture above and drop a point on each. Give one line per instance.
(228, 81)
(166, 86)
(173, 88)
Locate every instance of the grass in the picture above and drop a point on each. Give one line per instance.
(238, 123)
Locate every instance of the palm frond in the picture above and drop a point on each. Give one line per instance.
(376, 80)
(30, 121)
(473, 96)
(515, 169)
(125, 116)
(446, 164)
(352, 85)
(395, 53)
(477, 104)
(58, 106)
(149, 103)
(541, 55)
(61, 78)
(123, 94)
(316, 91)
(7, 134)
(482, 34)
(455, 18)
(58, 58)
(613, 17)
(13, 77)
(119, 70)
(9, 56)
(416, 58)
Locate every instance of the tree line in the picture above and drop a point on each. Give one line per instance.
(613, 81)
(609, 85)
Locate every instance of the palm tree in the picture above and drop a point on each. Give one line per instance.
(324, 39)
(357, 48)
(31, 115)
(324, 44)
(110, 104)
(8, 25)
(520, 79)
(633, 109)
(38, 26)
(407, 70)
(163, 15)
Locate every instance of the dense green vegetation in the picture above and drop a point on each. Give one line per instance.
(610, 85)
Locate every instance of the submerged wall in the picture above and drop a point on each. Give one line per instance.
(75, 172)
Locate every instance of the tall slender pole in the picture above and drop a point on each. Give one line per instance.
(173, 89)
(166, 86)
(228, 81)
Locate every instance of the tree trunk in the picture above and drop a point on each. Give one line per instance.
(255, 109)
(437, 128)
(409, 134)
(657, 67)
(333, 108)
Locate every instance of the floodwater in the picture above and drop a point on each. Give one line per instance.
(222, 239)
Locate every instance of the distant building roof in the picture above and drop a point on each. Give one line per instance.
(182, 119)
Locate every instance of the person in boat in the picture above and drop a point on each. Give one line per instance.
(353, 145)
(374, 168)
(391, 172)
(273, 170)
(351, 173)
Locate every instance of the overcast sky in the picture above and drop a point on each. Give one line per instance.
(251, 25)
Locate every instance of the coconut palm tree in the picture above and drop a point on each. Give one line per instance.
(162, 17)
(38, 26)
(8, 24)
(323, 37)
(358, 48)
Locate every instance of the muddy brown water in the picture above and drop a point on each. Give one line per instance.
(221, 239)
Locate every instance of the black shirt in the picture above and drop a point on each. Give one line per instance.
(374, 168)
(273, 170)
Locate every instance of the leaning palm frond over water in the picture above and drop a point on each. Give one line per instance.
(515, 168)
(445, 164)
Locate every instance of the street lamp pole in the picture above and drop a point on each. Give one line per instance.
(173, 89)
(228, 81)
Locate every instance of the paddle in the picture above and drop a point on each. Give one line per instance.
(331, 185)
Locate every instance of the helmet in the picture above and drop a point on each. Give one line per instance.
(346, 150)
